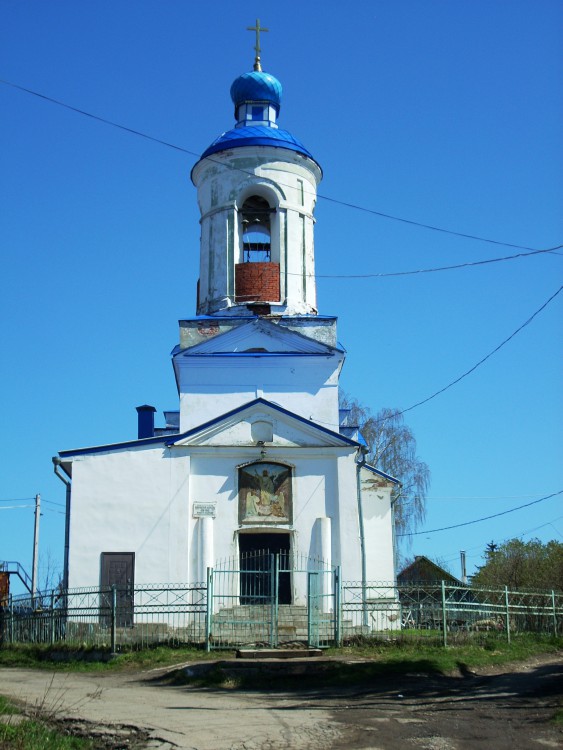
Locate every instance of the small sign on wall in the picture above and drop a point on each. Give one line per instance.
(204, 510)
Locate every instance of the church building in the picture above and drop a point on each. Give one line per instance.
(257, 457)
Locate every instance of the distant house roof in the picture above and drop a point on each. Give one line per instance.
(423, 570)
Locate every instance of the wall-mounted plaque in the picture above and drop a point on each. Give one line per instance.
(204, 510)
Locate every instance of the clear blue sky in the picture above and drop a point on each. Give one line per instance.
(445, 113)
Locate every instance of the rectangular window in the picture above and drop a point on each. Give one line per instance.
(257, 113)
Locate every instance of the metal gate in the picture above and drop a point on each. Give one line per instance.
(265, 599)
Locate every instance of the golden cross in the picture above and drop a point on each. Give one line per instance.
(257, 29)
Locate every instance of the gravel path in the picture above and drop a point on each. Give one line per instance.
(502, 710)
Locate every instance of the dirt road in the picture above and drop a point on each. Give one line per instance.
(505, 711)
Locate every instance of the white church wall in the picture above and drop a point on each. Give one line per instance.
(376, 503)
(315, 497)
(213, 386)
(133, 500)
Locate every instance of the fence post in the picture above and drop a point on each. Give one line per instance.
(52, 617)
(507, 613)
(310, 608)
(337, 607)
(444, 617)
(274, 567)
(209, 613)
(11, 619)
(113, 616)
(554, 613)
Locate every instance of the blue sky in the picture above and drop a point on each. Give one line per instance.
(443, 113)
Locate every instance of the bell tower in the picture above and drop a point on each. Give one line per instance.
(256, 188)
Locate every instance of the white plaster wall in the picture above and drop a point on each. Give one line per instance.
(141, 500)
(305, 386)
(132, 500)
(316, 488)
(378, 529)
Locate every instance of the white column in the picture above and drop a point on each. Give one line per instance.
(206, 554)
(325, 552)
(325, 540)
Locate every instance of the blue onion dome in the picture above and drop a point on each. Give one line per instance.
(256, 86)
(257, 97)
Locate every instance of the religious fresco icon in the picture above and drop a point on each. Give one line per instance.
(265, 493)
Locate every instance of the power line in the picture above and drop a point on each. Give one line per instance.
(434, 270)
(327, 198)
(485, 518)
(452, 556)
(484, 359)
(13, 507)
(398, 413)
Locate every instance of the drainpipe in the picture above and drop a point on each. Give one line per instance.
(360, 461)
(56, 466)
(394, 534)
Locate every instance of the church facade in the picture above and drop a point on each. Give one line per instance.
(257, 455)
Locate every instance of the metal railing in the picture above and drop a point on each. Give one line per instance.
(443, 613)
(223, 613)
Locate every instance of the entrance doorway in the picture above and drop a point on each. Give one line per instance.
(261, 557)
(118, 569)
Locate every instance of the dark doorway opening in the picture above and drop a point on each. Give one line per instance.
(118, 569)
(260, 556)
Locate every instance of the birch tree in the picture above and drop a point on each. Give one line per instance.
(392, 449)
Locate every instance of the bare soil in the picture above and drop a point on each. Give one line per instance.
(505, 709)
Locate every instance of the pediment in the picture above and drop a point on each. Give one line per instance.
(288, 430)
(259, 337)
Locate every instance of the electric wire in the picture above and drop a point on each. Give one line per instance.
(52, 502)
(400, 412)
(452, 556)
(483, 360)
(16, 499)
(432, 270)
(13, 507)
(479, 520)
(321, 196)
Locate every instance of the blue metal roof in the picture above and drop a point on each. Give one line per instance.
(383, 474)
(256, 86)
(256, 135)
(169, 440)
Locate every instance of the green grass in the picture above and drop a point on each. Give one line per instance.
(363, 664)
(31, 734)
(366, 659)
(74, 659)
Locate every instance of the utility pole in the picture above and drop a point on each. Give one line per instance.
(35, 546)
(463, 568)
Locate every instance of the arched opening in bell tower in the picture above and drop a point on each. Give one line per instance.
(256, 230)
(257, 273)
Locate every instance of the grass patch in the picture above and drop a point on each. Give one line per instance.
(364, 660)
(31, 734)
(490, 650)
(76, 659)
(369, 662)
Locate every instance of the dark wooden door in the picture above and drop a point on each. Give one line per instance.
(118, 569)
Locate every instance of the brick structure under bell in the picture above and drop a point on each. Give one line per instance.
(257, 282)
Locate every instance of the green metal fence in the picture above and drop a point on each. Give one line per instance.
(264, 599)
(275, 600)
(108, 617)
(442, 613)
